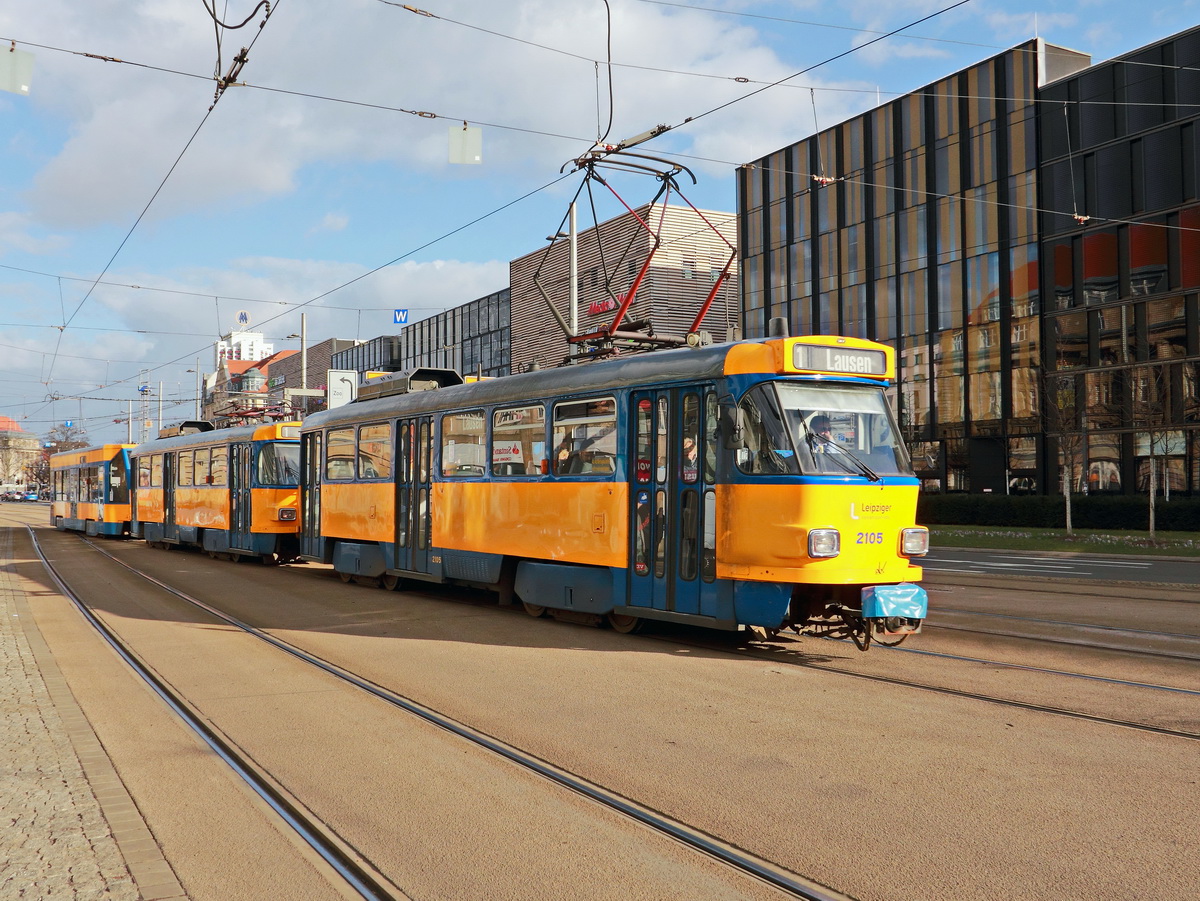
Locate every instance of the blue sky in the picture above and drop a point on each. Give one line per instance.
(317, 170)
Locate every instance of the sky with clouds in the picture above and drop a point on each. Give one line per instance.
(137, 218)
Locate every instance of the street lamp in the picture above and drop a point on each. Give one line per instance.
(303, 336)
(197, 371)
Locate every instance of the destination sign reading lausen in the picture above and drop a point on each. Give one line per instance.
(839, 359)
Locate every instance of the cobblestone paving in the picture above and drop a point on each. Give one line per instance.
(54, 840)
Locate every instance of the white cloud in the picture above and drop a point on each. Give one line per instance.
(331, 222)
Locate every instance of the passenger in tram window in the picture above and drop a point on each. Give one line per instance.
(691, 462)
(821, 428)
(562, 457)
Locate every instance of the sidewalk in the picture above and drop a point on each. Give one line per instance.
(70, 829)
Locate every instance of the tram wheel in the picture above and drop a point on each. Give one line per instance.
(389, 582)
(533, 609)
(890, 641)
(624, 623)
(346, 577)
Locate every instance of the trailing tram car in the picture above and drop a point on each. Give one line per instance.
(226, 491)
(758, 484)
(90, 490)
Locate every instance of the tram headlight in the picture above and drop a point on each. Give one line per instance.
(914, 542)
(824, 543)
(287, 514)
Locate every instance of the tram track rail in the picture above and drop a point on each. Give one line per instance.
(778, 655)
(350, 866)
(791, 884)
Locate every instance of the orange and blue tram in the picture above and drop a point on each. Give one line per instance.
(90, 490)
(226, 491)
(759, 484)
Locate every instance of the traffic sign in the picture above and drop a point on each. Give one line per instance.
(400, 317)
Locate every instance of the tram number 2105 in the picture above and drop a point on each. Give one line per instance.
(869, 538)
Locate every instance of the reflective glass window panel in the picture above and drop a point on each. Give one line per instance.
(518, 440)
(201, 472)
(1117, 335)
(219, 465)
(1100, 269)
(1147, 259)
(985, 396)
(375, 451)
(184, 467)
(585, 437)
(1070, 334)
(339, 454)
(464, 451)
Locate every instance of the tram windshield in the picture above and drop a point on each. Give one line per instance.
(279, 463)
(815, 429)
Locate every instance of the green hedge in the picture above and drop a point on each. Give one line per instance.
(1087, 512)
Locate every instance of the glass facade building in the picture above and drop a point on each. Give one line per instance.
(472, 338)
(1121, 274)
(921, 223)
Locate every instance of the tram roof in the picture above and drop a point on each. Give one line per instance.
(658, 367)
(255, 432)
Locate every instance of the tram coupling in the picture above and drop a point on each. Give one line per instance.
(889, 614)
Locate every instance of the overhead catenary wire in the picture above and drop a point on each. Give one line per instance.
(138, 220)
(694, 157)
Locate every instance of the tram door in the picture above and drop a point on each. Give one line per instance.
(168, 477)
(414, 438)
(240, 482)
(310, 495)
(672, 501)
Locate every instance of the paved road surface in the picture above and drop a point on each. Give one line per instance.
(1106, 568)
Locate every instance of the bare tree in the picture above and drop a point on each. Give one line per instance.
(1155, 392)
(1063, 416)
(66, 437)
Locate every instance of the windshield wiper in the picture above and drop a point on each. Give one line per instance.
(813, 439)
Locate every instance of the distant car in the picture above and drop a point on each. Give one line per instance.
(30, 496)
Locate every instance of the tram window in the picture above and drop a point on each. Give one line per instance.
(423, 453)
(156, 471)
(862, 428)
(689, 444)
(339, 455)
(463, 446)
(660, 455)
(375, 451)
(93, 485)
(711, 436)
(660, 534)
(768, 448)
(423, 518)
(690, 514)
(186, 467)
(641, 538)
(708, 555)
(219, 465)
(202, 475)
(585, 437)
(279, 463)
(405, 455)
(518, 441)
(143, 465)
(643, 441)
